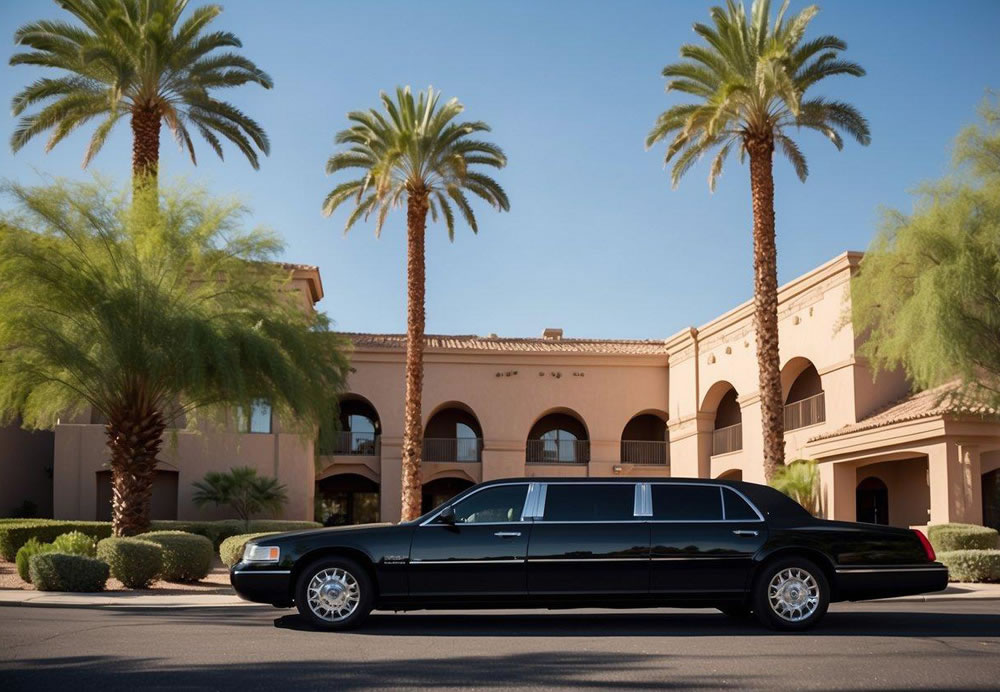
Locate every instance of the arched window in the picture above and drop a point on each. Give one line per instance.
(347, 498)
(558, 438)
(728, 435)
(644, 441)
(806, 402)
(872, 501)
(453, 434)
(359, 430)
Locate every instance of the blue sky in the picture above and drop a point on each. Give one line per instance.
(596, 241)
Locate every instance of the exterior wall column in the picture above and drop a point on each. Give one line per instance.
(838, 490)
(691, 446)
(944, 465)
(967, 498)
(391, 480)
(753, 439)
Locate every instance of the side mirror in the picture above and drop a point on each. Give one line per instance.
(447, 515)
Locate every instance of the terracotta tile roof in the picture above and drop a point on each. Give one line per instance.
(945, 399)
(471, 342)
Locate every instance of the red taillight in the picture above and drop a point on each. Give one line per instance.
(928, 548)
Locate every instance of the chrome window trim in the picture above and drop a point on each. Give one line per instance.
(637, 500)
(530, 502)
(477, 490)
(588, 559)
(503, 561)
(540, 518)
(723, 488)
(871, 570)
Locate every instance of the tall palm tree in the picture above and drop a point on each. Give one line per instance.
(750, 83)
(414, 152)
(136, 58)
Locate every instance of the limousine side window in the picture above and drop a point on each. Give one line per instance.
(737, 508)
(501, 503)
(682, 502)
(589, 502)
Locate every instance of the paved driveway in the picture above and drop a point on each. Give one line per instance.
(902, 645)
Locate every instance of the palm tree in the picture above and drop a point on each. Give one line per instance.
(106, 306)
(136, 58)
(750, 83)
(414, 152)
(243, 490)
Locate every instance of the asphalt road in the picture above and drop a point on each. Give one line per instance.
(900, 645)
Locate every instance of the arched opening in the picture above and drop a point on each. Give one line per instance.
(991, 498)
(359, 430)
(728, 434)
(162, 506)
(872, 501)
(453, 433)
(731, 475)
(347, 498)
(440, 490)
(558, 438)
(805, 401)
(645, 441)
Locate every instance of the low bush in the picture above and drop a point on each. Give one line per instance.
(218, 531)
(231, 549)
(27, 551)
(972, 565)
(14, 534)
(63, 572)
(950, 537)
(75, 543)
(186, 557)
(134, 562)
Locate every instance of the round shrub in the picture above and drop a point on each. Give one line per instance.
(134, 562)
(27, 551)
(949, 537)
(75, 543)
(63, 572)
(231, 549)
(187, 557)
(972, 565)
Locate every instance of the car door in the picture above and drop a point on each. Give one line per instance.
(480, 554)
(703, 539)
(588, 540)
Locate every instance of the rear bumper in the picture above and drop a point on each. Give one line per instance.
(261, 585)
(861, 583)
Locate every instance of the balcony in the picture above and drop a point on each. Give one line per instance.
(728, 439)
(557, 452)
(808, 411)
(644, 452)
(458, 449)
(355, 444)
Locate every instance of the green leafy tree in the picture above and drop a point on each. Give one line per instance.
(414, 153)
(136, 58)
(750, 83)
(800, 481)
(242, 490)
(147, 318)
(927, 296)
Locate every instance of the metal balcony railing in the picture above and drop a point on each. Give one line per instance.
(467, 449)
(644, 452)
(357, 444)
(557, 452)
(728, 439)
(808, 411)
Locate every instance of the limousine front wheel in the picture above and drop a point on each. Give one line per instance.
(334, 593)
(791, 594)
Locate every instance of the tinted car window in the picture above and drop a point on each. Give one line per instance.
(499, 504)
(736, 507)
(686, 502)
(589, 502)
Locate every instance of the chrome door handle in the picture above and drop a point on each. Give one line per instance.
(507, 534)
(745, 532)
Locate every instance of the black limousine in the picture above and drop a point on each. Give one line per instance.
(743, 548)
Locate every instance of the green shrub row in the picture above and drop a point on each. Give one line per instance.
(64, 572)
(186, 557)
(134, 562)
(231, 549)
(218, 531)
(72, 543)
(972, 565)
(950, 537)
(27, 551)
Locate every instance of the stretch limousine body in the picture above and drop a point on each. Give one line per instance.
(562, 543)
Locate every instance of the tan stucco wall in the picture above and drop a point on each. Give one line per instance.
(26, 467)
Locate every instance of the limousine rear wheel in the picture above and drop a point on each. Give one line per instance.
(791, 594)
(334, 593)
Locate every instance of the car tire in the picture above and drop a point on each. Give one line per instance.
(790, 594)
(334, 593)
(737, 611)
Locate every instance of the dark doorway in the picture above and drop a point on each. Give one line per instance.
(347, 498)
(991, 499)
(164, 501)
(440, 491)
(872, 501)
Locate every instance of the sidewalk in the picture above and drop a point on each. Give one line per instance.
(955, 593)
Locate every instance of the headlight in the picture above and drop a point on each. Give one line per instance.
(261, 553)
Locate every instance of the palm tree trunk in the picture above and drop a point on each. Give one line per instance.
(765, 291)
(145, 147)
(413, 430)
(135, 435)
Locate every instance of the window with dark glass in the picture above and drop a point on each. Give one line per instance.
(259, 420)
(737, 508)
(589, 502)
(683, 502)
(501, 503)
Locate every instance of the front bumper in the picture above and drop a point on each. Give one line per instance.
(861, 583)
(261, 584)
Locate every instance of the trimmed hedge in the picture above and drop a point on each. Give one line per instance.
(972, 565)
(64, 572)
(218, 531)
(134, 562)
(75, 543)
(187, 557)
(950, 537)
(27, 551)
(231, 549)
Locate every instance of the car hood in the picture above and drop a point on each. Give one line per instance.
(326, 530)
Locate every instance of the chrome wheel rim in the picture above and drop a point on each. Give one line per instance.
(793, 594)
(333, 594)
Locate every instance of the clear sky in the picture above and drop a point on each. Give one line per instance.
(596, 241)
